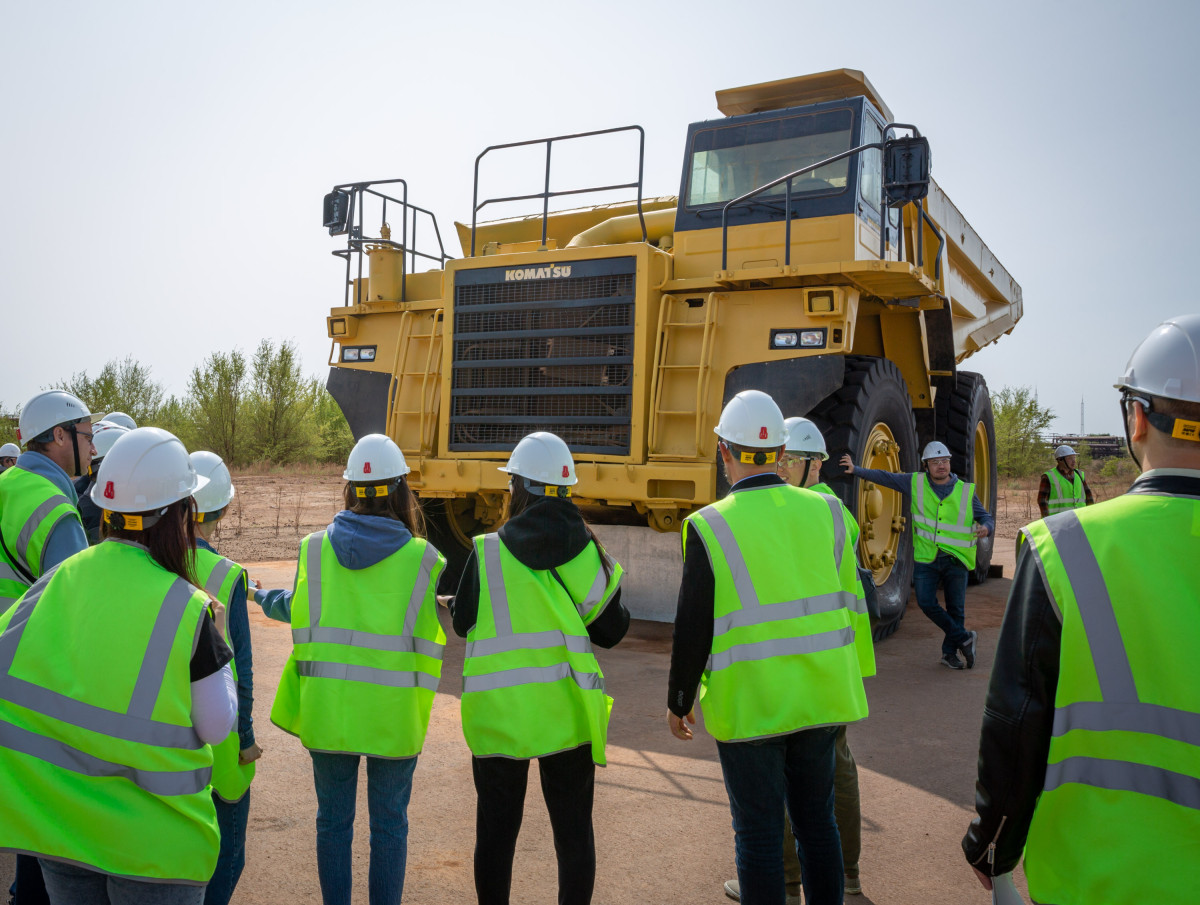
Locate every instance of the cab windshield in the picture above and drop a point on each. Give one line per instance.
(731, 161)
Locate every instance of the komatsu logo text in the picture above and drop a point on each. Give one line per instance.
(537, 273)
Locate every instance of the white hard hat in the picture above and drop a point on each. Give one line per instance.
(1062, 451)
(803, 437)
(935, 450)
(104, 435)
(48, 410)
(146, 469)
(542, 456)
(375, 457)
(9, 451)
(1167, 362)
(121, 420)
(751, 418)
(219, 492)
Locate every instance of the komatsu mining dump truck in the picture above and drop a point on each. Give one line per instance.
(807, 254)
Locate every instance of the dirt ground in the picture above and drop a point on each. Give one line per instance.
(663, 830)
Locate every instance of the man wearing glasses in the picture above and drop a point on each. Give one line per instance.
(40, 525)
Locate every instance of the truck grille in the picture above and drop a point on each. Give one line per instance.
(538, 351)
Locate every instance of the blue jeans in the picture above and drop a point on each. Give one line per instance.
(952, 575)
(389, 786)
(231, 819)
(761, 778)
(69, 884)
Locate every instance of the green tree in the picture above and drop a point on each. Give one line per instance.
(121, 386)
(1020, 422)
(281, 406)
(8, 424)
(216, 406)
(333, 432)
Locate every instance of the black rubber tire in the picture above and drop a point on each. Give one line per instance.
(873, 391)
(958, 414)
(438, 533)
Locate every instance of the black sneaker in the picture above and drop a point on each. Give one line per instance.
(968, 650)
(952, 661)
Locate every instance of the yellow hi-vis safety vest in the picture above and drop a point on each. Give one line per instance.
(1118, 820)
(531, 682)
(101, 764)
(1064, 494)
(943, 524)
(30, 509)
(220, 577)
(791, 634)
(366, 651)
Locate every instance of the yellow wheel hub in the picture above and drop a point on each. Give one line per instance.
(981, 475)
(881, 514)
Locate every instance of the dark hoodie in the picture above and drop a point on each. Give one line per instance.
(358, 541)
(548, 534)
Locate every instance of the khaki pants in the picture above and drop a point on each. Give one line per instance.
(846, 811)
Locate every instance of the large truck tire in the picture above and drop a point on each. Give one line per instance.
(964, 417)
(871, 418)
(449, 540)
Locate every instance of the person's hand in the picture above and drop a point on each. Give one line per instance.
(679, 727)
(249, 755)
(984, 880)
(444, 600)
(847, 463)
(979, 530)
(257, 585)
(218, 615)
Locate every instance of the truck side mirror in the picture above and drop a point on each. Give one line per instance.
(905, 170)
(337, 212)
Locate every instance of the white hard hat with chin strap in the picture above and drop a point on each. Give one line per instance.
(375, 466)
(51, 409)
(121, 420)
(1063, 451)
(935, 450)
(104, 435)
(805, 439)
(9, 451)
(1165, 364)
(752, 419)
(544, 462)
(146, 471)
(212, 499)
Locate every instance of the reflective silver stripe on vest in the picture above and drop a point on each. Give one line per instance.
(420, 589)
(753, 611)
(60, 754)
(315, 669)
(30, 527)
(16, 626)
(529, 641)
(217, 578)
(396, 644)
(1095, 608)
(532, 675)
(8, 573)
(495, 582)
(1153, 719)
(312, 576)
(158, 651)
(782, 647)
(1123, 776)
(966, 512)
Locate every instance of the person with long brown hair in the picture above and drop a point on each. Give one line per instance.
(114, 681)
(533, 600)
(365, 663)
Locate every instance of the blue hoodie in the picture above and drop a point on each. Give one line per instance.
(358, 541)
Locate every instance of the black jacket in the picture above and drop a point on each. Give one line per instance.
(1018, 716)
(548, 534)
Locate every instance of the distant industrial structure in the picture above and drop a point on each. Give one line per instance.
(1100, 446)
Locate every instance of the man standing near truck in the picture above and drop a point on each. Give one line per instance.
(1064, 486)
(948, 519)
(1089, 755)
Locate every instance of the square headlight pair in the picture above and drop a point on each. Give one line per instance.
(358, 353)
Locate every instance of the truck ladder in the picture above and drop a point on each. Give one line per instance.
(427, 396)
(676, 362)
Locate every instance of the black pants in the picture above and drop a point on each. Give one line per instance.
(29, 888)
(568, 785)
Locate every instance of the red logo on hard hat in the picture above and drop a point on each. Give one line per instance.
(366, 467)
(108, 491)
(566, 474)
(762, 432)
(18, 435)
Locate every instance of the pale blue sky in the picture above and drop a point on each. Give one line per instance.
(165, 164)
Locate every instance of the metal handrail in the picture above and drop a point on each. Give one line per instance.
(358, 240)
(546, 194)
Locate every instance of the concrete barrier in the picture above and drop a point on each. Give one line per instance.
(653, 563)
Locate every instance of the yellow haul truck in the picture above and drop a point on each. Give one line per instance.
(807, 254)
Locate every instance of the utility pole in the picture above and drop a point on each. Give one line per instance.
(1081, 433)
